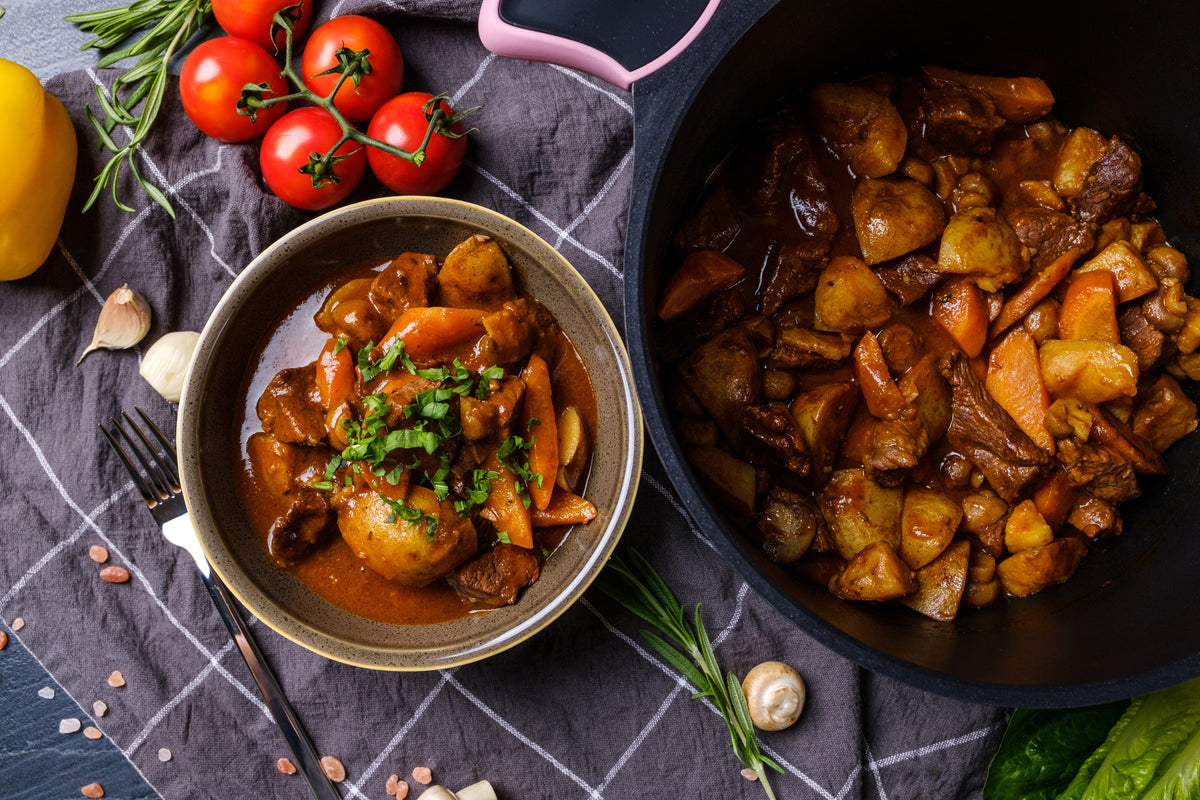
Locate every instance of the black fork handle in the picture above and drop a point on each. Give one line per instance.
(307, 760)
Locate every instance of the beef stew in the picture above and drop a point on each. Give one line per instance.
(918, 338)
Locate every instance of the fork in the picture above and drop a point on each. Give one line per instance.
(153, 468)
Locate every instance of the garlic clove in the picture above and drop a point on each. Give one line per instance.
(166, 363)
(123, 322)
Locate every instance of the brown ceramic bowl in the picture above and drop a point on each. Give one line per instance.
(208, 430)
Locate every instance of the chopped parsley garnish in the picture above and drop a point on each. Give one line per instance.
(502, 536)
(478, 489)
(342, 341)
(513, 453)
(403, 511)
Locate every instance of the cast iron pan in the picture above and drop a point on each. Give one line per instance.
(1128, 622)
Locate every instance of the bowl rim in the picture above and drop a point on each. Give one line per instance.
(357, 653)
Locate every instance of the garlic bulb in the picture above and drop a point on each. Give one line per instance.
(166, 363)
(123, 321)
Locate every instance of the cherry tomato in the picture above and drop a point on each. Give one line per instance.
(211, 81)
(401, 122)
(292, 143)
(251, 19)
(356, 33)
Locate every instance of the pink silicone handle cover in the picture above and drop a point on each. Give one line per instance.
(508, 40)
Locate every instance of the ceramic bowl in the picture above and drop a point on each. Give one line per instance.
(207, 432)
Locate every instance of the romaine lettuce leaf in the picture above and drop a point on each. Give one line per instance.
(1181, 778)
(1146, 748)
(1041, 750)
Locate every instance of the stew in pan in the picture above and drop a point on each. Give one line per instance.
(923, 337)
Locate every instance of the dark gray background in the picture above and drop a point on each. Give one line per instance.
(581, 710)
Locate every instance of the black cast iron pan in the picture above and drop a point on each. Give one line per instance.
(1128, 622)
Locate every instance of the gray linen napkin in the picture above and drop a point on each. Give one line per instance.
(581, 710)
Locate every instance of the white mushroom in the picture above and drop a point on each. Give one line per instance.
(775, 693)
(476, 791)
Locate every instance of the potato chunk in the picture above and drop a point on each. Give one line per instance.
(860, 512)
(476, 274)
(1081, 150)
(860, 125)
(823, 415)
(895, 216)
(1032, 570)
(723, 374)
(979, 244)
(941, 583)
(731, 480)
(850, 298)
(928, 523)
(1091, 371)
(1026, 528)
(1130, 273)
(874, 575)
(410, 552)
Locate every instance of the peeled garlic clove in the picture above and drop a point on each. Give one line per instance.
(124, 321)
(166, 363)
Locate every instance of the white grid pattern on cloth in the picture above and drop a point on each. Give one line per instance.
(213, 660)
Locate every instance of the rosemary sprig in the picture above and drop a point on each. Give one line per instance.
(636, 586)
(164, 25)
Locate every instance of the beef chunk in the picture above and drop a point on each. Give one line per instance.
(408, 281)
(1164, 414)
(1108, 431)
(773, 438)
(783, 156)
(897, 446)
(300, 528)
(984, 432)
(496, 577)
(959, 120)
(1113, 186)
(1152, 348)
(910, 277)
(288, 407)
(1098, 470)
(703, 322)
(794, 269)
(1048, 234)
(713, 227)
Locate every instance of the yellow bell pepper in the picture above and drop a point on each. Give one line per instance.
(36, 132)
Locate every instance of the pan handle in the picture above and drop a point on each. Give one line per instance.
(643, 35)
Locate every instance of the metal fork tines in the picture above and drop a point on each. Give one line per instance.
(151, 462)
(155, 474)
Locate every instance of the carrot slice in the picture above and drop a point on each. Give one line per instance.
(1089, 308)
(335, 374)
(959, 306)
(429, 332)
(883, 396)
(1032, 293)
(504, 506)
(1014, 380)
(565, 508)
(703, 274)
(539, 420)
